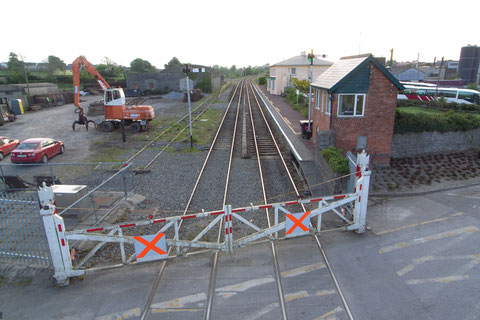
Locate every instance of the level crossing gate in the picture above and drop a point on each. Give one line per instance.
(350, 207)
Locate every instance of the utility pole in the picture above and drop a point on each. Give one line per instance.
(391, 58)
(438, 79)
(26, 78)
(186, 70)
(310, 58)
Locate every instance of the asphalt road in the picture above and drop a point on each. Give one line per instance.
(419, 260)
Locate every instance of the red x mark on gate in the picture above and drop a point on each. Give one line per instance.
(150, 245)
(297, 223)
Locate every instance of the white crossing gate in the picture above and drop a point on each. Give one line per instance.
(155, 246)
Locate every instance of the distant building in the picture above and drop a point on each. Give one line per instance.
(298, 67)
(469, 63)
(407, 73)
(20, 91)
(170, 79)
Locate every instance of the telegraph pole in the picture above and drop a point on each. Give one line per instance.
(438, 79)
(391, 58)
(186, 70)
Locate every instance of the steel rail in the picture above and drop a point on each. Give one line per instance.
(213, 271)
(164, 263)
(280, 291)
(169, 127)
(346, 308)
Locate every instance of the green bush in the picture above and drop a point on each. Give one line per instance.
(335, 159)
(406, 122)
(291, 98)
(262, 80)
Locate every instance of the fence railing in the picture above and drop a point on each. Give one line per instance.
(22, 234)
(87, 190)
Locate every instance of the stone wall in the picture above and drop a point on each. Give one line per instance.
(415, 144)
(169, 78)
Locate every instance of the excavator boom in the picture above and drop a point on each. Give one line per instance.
(77, 64)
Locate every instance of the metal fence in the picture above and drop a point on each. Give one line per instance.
(22, 234)
(85, 192)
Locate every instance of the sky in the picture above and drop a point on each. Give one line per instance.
(237, 33)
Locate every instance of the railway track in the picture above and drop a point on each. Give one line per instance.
(222, 166)
(199, 110)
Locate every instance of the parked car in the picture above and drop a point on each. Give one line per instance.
(7, 145)
(37, 150)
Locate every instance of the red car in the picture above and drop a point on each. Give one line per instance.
(7, 145)
(37, 150)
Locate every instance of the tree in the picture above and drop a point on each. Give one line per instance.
(173, 62)
(302, 85)
(54, 64)
(140, 65)
(109, 62)
(14, 64)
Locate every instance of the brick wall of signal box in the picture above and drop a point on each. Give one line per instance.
(376, 124)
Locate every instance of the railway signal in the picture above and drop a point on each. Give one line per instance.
(187, 70)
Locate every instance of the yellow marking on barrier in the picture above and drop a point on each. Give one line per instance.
(295, 296)
(457, 214)
(123, 315)
(438, 280)
(330, 313)
(437, 236)
(177, 310)
(476, 256)
(304, 269)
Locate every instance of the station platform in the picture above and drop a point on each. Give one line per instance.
(288, 122)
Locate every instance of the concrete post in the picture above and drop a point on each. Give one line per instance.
(362, 213)
(57, 241)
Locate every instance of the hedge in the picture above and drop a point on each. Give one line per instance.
(442, 105)
(406, 122)
(335, 159)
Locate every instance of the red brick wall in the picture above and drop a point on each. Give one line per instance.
(377, 123)
(320, 119)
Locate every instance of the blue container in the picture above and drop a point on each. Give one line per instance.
(17, 106)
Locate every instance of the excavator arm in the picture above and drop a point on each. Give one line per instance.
(77, 64)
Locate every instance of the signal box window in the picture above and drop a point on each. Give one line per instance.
(351, 105)
(293, 71)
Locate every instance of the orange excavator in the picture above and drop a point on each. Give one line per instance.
(137, 117)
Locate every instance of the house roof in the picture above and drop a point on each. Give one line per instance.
(302, 60)
(334, 76)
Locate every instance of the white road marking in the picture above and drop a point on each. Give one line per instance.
(329, 314)
(424, 259)
(438, 236)
(128, 314)
(438, 280)
(231, 290)
(288, 298)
